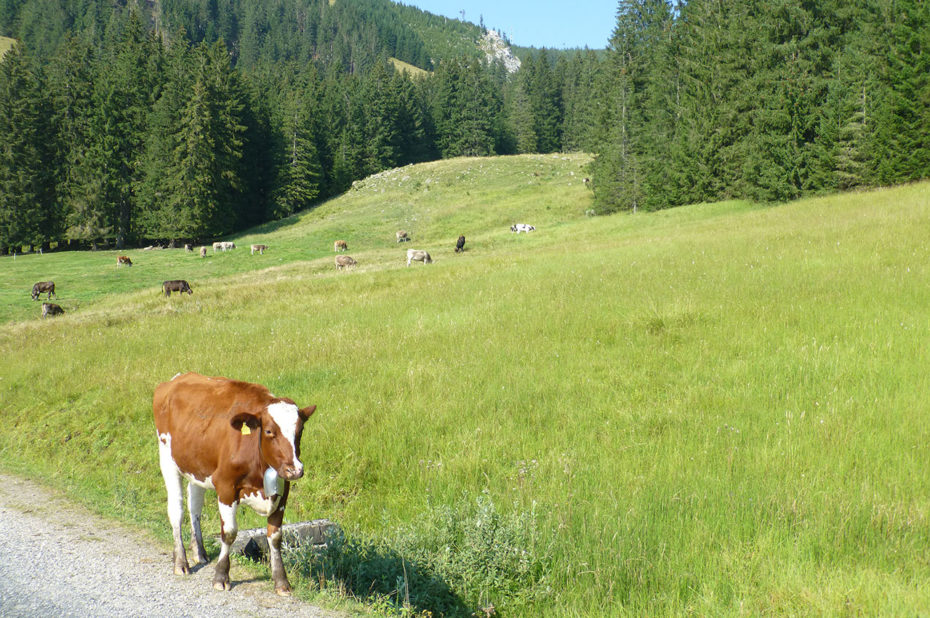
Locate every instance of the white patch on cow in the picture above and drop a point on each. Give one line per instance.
(230, 527)
(207, 483)
(286, 417)
(261, 503)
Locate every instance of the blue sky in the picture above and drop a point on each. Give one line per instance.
(543, 23)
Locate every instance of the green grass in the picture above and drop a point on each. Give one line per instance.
(711, 410)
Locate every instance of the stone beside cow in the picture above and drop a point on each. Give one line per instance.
(176, 285)
(43, 287)
(418, 255)
(344, 261)
(237, 439)
(51, 309)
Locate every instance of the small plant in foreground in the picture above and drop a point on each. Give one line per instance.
(455, 560)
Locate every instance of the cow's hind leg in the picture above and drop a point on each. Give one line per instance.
(281, 585)
(195, 495)
(229, 530)
(172, 476)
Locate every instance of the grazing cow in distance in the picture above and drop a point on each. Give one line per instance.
(342, 261)
(460, 244)
(176, 285)
(188, 247)
(51, 309)
(340, 245)
(123, 260)
(402, 236)
(223, 246)
(203, 252)
(41, 288)
(259, 248)
(418, 255)
(237, 439)
(522, 227)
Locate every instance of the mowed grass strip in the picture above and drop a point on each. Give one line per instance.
(712, 409)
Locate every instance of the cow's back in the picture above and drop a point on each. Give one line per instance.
(196, 412)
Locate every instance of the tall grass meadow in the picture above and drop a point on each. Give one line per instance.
(712, 410)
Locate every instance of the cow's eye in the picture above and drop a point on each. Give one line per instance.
(268, 432)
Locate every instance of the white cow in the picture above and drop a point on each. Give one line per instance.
(522, 227)
(418, 255)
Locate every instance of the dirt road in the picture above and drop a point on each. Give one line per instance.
(58, 559)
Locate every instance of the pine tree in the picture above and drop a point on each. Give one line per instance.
(299, 173)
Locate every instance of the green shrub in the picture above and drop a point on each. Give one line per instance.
(454, 560)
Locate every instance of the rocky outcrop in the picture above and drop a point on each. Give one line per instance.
(497, 48)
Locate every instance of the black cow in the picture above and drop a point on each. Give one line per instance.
(178, 285)
(460, 244)
(51, 309)
(41, 288)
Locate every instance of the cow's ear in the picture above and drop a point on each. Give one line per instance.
(245, 423)
(306, 412)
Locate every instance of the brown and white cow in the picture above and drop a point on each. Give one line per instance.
(176, 285)
(203, 252)
(41, 288)
(123, 259)
(237, 439)
(260, 248)
(402, 236)
(340, 245)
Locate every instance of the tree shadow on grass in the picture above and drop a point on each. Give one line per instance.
(370, 572)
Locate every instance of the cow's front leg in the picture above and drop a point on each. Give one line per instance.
(195, 495)
(281, 585)
(228, 533)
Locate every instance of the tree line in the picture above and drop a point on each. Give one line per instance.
(764, 100)
(139, 137)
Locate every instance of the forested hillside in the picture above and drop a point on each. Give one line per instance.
(120, 130)
(189, 119)
(763, 100)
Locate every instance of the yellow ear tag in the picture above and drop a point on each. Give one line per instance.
(245, 429)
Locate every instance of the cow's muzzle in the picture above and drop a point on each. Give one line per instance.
(292, 473)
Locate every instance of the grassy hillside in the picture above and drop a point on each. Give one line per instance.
(714, 409)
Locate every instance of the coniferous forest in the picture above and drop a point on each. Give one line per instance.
(133, 122)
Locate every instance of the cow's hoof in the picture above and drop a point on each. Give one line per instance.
(283, 591)
(221, 585)
(182, 568)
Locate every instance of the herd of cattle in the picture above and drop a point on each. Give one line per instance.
(181, 286)
(233, 437)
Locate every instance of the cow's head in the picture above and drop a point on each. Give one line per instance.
(279, 427)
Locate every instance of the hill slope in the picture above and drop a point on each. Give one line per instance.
(713, 409)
